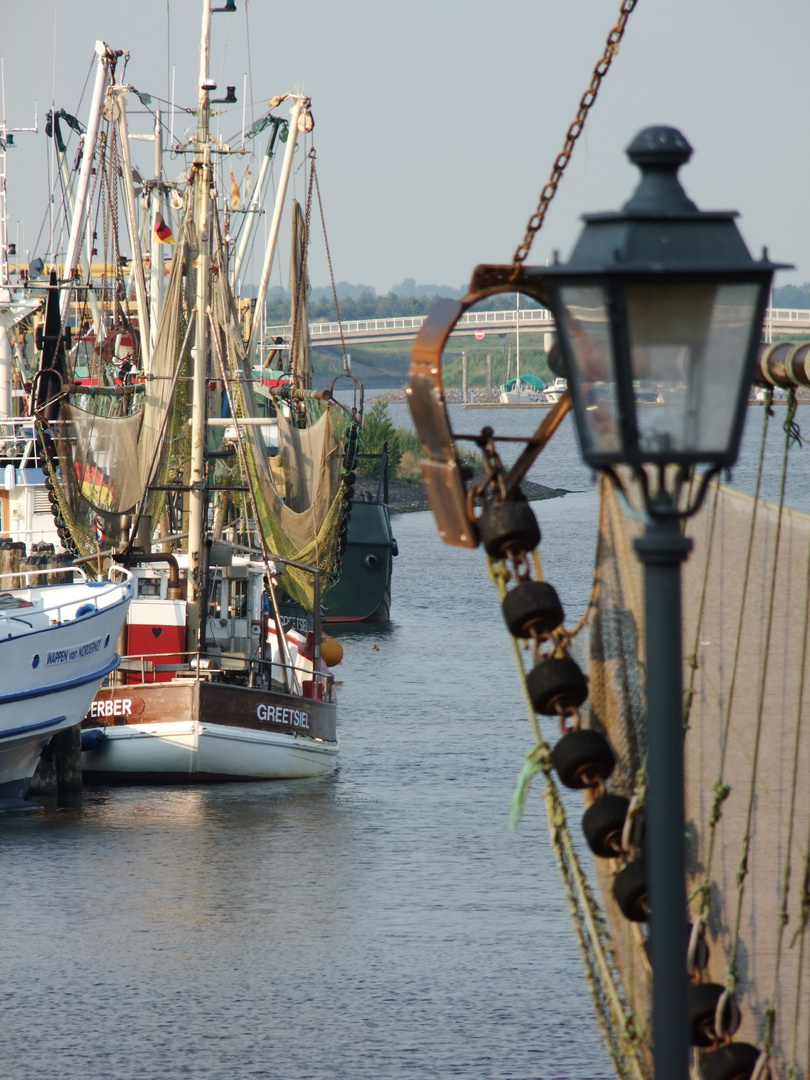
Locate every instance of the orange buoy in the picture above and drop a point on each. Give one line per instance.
(331, 651)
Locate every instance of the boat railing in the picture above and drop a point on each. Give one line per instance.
(316, 685)
(382, 480)
(65, 602)
(18, 442)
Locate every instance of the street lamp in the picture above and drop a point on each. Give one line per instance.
(661, 300)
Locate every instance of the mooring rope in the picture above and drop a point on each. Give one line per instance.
(621, 1029)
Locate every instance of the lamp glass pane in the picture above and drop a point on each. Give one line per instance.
(688, 347)
(586, 328)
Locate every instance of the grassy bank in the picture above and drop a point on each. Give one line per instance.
(386, 363)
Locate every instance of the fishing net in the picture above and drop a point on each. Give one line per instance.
(747, 746)
(298, 502)
(300, 361)
(109, 448)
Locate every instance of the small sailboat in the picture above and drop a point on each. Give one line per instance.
(528, 389)
(522, 390)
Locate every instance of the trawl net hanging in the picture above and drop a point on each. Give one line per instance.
(107, 461)
(747, 745)
(300, 504)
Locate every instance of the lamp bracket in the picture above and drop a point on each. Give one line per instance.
(663, 502)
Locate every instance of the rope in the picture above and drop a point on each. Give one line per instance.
(793, 438)
(721, 789)
(331, 271)
(620, 1027)
(692, 660)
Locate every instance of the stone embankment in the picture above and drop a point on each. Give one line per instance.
(406, 496)
(475, 395)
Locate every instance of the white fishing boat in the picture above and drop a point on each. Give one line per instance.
(57, 643)
(246, 708)
(212, 685)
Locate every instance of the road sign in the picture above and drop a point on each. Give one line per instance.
(479, 334)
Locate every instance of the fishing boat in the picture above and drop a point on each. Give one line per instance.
(362, 593)
(167, 472)
(57, 644)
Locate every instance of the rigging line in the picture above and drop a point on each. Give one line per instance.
(743, 869)
(721, 789)
(249, 64)
(239, 440)
(800, 934)
(770, 1010)
(693, 659)
(150, 473)
(590, 608)
(331, 272)
(612, 1009)
(168, 52)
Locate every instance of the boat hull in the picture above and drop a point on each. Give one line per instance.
(195, 732)
(52, 670)
(521, 397)
(363, 593)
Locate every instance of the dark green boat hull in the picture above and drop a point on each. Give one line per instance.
(363, 593)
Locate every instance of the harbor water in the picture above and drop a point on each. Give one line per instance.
(382, 922)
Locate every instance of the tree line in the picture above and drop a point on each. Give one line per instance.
(368, 305)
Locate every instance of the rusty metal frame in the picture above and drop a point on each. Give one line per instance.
(444, 479)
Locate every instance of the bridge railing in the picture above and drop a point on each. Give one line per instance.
(409, 324)
(782, 315)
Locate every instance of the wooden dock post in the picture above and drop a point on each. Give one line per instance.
(489, 377)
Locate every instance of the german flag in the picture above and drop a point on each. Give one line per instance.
(163, 234)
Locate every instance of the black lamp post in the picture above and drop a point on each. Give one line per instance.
(661, 300)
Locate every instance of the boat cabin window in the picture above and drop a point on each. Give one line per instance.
(239, 597)
(215, 599)
(149, 586)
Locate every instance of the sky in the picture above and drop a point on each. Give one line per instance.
(437, 122)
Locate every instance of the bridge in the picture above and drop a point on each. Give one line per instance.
(482, 324)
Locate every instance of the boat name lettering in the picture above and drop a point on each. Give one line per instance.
(78, 652)
(275, 714)
(112, 707)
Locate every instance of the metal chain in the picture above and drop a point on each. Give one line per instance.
(574, 131)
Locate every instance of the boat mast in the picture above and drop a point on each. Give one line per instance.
(295, 112)
(132, 220)
(105, 56)
(156, 286)
(6, 294)
(517, 341)
(67, 187)
(256, 201)
(202, 205)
